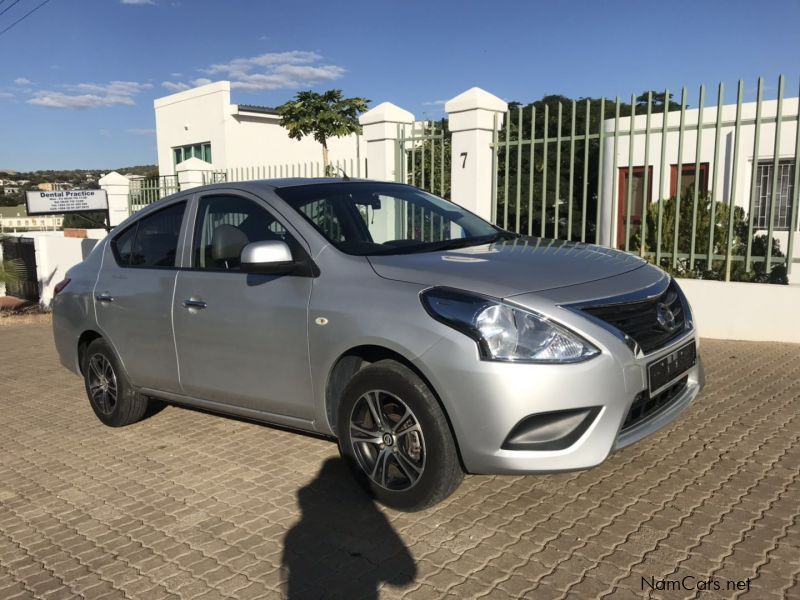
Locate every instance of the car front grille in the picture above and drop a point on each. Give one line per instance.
(644, 406)
(639, 319)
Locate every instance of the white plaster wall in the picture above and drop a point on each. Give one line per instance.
(740, 187)
(239, 139)
(55, 255)
(744, 311)
(192, 117)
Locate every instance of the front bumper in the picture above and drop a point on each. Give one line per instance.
(485, 400)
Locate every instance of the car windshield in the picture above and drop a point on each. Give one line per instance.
(369, 219)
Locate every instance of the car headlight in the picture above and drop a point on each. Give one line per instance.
(505, 332)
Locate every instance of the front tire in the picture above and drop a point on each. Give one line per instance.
(111, 395)
(396, 439)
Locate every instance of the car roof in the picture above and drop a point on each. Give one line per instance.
(286, 182)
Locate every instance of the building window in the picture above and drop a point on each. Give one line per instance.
(688, 179)
(201, 151)
(783, 194)
(640, 198)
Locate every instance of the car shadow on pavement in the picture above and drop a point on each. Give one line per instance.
(343, 546)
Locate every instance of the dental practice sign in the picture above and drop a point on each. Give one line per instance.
(66, 201)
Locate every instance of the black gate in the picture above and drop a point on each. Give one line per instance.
(21, 248)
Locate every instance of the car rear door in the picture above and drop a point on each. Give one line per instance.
(242, 338)
(133, 296)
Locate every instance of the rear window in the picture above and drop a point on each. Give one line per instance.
(151, 241)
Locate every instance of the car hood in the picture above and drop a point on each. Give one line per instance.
(509, 267)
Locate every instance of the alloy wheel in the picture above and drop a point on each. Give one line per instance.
(102, 384)
(387, 440)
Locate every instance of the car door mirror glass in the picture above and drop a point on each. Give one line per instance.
(268, 257)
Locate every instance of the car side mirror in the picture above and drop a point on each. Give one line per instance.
(272, 257)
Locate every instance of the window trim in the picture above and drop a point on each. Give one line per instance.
(178, 248)
(183, 148)
(673, 177)
(756, 200)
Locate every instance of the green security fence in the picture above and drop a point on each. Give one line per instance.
(424, 155)
(146, 191)
(552, 160)
(337, 168)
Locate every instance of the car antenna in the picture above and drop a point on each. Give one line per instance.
(344, 173)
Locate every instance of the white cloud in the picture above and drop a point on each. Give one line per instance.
(137, 1)
(141, 131)
(270, 71)
(174, 86)
(22, 81)
(90, 95)
(435, 103)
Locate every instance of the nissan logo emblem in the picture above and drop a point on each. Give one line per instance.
(665, 317)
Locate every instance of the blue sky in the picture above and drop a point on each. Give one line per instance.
(78, 77)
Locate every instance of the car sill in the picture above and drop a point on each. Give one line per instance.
(237, 411)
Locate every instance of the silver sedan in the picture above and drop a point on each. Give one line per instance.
(427, 341)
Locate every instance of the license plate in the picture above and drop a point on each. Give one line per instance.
(670, 367)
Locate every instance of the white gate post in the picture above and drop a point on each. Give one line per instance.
(381, 125)
(472, 124)
(117, 189)
(190, 172)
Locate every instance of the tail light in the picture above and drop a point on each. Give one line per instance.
(60, 286)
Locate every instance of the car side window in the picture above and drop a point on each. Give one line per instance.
(152, 241)
(225, 225)
(123, 243)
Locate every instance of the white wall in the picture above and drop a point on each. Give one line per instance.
(744, 311)
(55, 255)
(661, 185)
(239, 138)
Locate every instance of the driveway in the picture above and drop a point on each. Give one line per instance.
(190, 505)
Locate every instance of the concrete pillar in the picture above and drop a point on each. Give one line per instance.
(190, 173)
(472, 124)
(117, 189)
(381, 127)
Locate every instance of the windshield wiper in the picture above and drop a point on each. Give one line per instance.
(450, 244)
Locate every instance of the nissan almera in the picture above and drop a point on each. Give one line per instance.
(428, 342)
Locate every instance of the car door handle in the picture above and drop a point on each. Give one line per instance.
(104, 297)
(194, 303)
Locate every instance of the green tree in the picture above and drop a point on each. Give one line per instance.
(87, 220)
(322, 116)
(710, 216)
(541, 210)
(11, 271)
(428, 166)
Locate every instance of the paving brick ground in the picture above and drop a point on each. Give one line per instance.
(191, 505)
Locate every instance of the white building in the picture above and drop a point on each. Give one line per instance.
(664, 185)
(15, 219)
(202, 123)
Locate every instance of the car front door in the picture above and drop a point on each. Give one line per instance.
(133, 297)
(242, 338)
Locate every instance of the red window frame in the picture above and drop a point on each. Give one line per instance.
(687, 169)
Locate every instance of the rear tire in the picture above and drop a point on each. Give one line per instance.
(396, 439)
(110, 394)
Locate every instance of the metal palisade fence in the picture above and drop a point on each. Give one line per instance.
(336, 168)
(424, 154)
(704, 191)
(143, 192)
